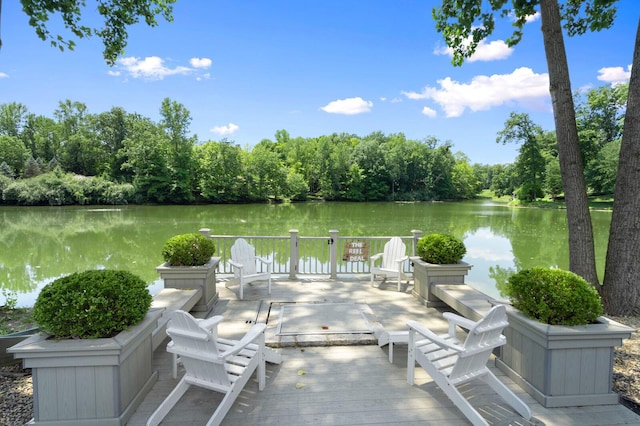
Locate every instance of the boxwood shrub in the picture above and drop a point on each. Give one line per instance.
(554, 296)
(92, 304)
(188, 250)
(441, 249)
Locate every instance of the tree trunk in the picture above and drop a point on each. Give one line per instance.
(621, 289)
(582, 258)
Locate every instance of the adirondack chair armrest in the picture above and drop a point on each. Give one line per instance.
(236, 264)
(373, 259)
(252, 334)
(402, 259)
(209, 324)
(458, 320)
(431, 336)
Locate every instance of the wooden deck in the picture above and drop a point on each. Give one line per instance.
(347, 384)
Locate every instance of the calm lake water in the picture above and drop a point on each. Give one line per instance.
(40, 244)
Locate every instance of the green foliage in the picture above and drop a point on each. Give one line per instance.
(92, 304)
(10, 297)
(57, 189)
(188, 250)
(116, 14)
(529, 191)
(441, 249)
(554, 296)
(5, 170)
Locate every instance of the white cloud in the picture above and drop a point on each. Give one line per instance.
(349, 106)
(4, 75)
(229, 129)
(113, 73)
(492, 51)
(484, 92)
(431, 113)
(154, 68)
(533, 18)
(200, 62)
(614, 75)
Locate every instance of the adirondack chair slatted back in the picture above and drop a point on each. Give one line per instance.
(198, 350)
(394, 249)
(244, 253)
(485, 336)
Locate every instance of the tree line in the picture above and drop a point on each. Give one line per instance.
(76, 157)
(116, 157)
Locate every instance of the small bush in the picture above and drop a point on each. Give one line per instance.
(554, 296)
(441, 249)
(92, 304)
(188, 250)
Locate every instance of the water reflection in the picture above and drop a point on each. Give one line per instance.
(486, 250)
(40, 244)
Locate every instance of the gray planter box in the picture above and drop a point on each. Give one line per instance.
(426, 274)
(93, 382)
(193, 277)
(562, 366)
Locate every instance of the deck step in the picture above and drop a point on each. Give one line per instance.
(171, 299)
(466, 300)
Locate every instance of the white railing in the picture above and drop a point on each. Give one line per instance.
(295, 254)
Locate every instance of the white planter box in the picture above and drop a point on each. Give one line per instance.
(90, 381)
(427, 274)
(193, 277)
(562, 366)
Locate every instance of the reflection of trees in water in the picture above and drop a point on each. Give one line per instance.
(40, 243)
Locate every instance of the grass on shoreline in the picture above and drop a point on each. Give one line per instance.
(596, 202)
(15, 319)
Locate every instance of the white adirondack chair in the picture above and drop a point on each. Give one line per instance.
(392, 261)
(451, 363)
(213, 363)
(245, 265)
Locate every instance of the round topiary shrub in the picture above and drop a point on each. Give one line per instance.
(92, 304)
(554, 296)
(441, 249)
(188, 250)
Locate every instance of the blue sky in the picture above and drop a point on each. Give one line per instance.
(245, 69)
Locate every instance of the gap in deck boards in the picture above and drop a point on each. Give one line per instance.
(321, 318)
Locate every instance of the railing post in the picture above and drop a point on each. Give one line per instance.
(333, 241)
(294, 253)
(417, 234)
(205, 232)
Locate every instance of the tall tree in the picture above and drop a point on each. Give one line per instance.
(117, 16)
(530, 163)
(621, 292)
(176, 119)
(13, 117)
(465, 23)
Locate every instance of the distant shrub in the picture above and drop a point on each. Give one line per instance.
(188, 250)
(554, 296)
(57, 189)
(441, 249)
(92, 304)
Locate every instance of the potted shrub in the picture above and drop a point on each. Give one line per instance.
(439, 261)
(189, 265)
(91, 362)
(559, 348)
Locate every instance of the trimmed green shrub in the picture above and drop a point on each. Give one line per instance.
(92, 304)
(188, 250)
(441, 249)
(554, 296)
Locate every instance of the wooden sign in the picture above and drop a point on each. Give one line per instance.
(356, 251)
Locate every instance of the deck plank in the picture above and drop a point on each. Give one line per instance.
(348, 385)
